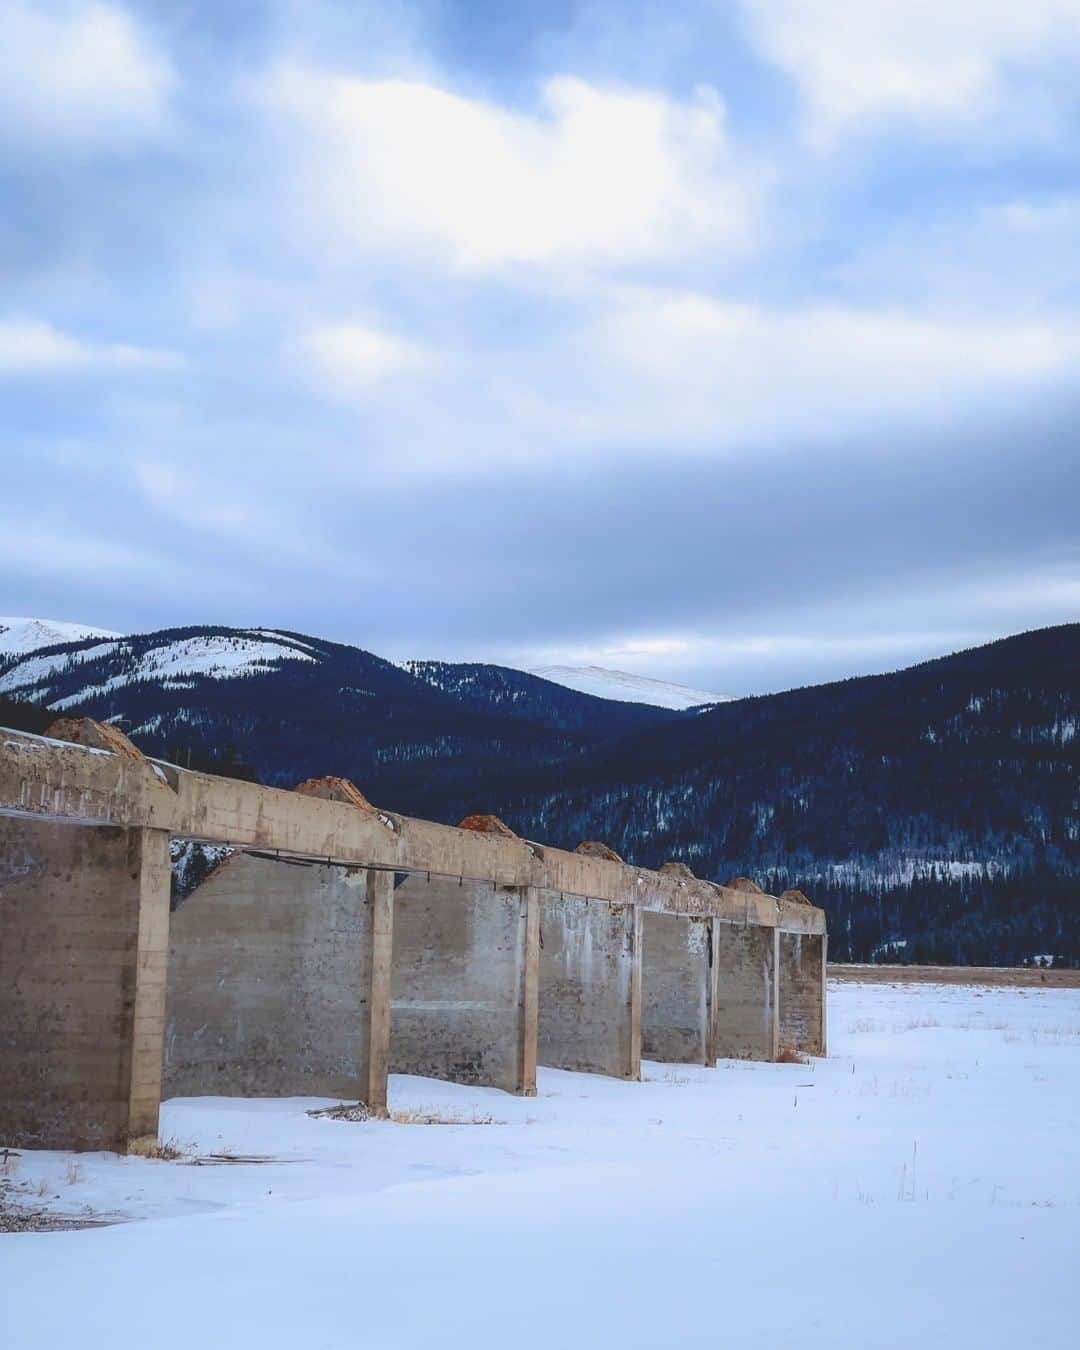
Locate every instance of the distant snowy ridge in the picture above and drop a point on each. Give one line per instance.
(623, 687)
(19, 636)
(214, 656)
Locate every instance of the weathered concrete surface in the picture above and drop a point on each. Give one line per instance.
(677, 989)
(802, 993)
(590, 982)
(270, 983)
(84, 915)
(745, 1023)
(464, 983)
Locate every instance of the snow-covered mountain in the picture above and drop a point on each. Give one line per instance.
(626, 688)
(286, 706)
(19, 636)
(170, 659)
(228, 653)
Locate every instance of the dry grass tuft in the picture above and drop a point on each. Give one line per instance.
(167, 1150)
(426, 1115)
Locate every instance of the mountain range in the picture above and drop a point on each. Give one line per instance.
(932, 811)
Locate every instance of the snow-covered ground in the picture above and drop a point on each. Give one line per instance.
(919, 1188)
(623, 687)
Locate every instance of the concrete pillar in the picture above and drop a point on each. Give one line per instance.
(279, 983)
(84, 913)
(745, 1022)
(775, 991)
(590, 985)
(824, 994)
(464, 982)
(380, 906)
(677, 979)
(530, 993)
(802, 993)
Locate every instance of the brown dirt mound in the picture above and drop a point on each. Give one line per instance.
(97, 735)
(487, 825)
(593, 848)
(333, 789)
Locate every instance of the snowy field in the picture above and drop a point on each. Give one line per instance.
(919, 1188)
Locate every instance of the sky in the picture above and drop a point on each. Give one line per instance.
(730, 343)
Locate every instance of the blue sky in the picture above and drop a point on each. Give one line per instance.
(733, 343)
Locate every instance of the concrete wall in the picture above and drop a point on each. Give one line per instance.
(84, 914)
(270, 984)
(590, 986)
(745, 1022)
(269, 995)
(464, 983)
(677, 989)
(802, 999)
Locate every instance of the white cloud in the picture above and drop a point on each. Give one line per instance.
(947, 66)
(80, 76)
(695, 367)
(638, 371)
(350, 359)
(597, 175)
(32, 347)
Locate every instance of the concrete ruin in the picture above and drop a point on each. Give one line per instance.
(341, 941)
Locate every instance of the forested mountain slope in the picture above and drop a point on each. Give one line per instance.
(935, 807)
(516, 693)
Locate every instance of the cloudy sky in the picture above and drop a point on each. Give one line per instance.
(736, 343)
